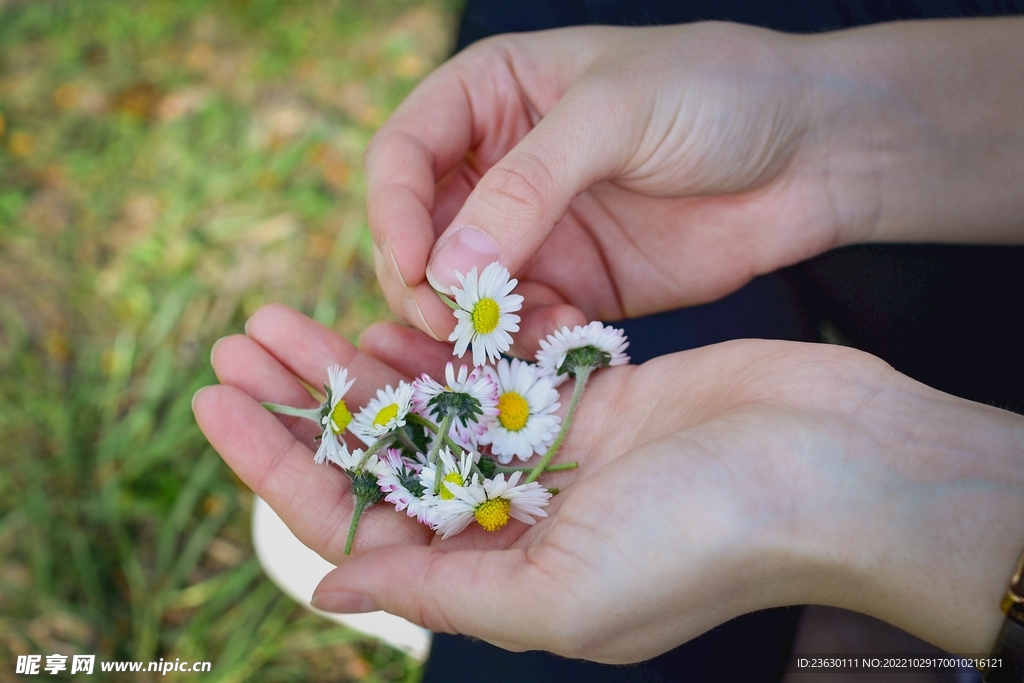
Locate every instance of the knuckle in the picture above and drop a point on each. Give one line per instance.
(520, 187)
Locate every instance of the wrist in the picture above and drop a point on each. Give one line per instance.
(921, 527)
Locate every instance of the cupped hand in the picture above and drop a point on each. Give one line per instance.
(615, 171)
(711, 483)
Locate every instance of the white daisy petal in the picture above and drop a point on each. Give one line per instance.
(394, 478)
(383, 414)
(487, 313)
(525, 422)
(335, 416)
(554, 348)
(491, 503)
(477, 384)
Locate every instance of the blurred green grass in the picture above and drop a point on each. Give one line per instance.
(166, 167)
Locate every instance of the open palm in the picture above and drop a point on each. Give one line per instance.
(711, 483)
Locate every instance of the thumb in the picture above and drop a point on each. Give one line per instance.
(517, 202)
(490, 594)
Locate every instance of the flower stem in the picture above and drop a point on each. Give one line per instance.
(406, 441)
(308, 413)
(448, 441)
(378, 444)
(422, 421)
(357, 512)
(448, 301)
(435, 458)
(582, 375)
(560, 467)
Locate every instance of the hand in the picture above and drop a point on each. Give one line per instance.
(711, 483)
(622, 171)
(616, 146)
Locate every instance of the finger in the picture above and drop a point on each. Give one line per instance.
(451, 194)
(241, 362)
(405, 301)
(518, 201)
(406, 350)
(306, 348)
(315, 501)
(476, 103)
(403, 161)
(537, 322)
(496, 595)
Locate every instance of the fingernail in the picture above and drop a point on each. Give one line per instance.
(389, 254)
(343, 602)
(213, 349)
(466, 248)
(246, 328)
(415, 316)
(196, 395)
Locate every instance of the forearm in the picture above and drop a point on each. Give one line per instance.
(920, 129)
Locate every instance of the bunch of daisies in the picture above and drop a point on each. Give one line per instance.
(456, 453)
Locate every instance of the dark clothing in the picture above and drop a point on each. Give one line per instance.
(482, 18)
(945, 315)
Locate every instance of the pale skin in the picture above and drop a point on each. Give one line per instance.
(674, 164)
(711, 483)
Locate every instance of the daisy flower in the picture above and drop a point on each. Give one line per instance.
(526, 401)
(350, 461)
(472, 396)
(399, 480)
(602, 345)
(383, 414)
(491, 503)
(486, 313)
(365, 489)
(452, 472)
(334, 416)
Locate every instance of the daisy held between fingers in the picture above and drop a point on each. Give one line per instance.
(485, 310)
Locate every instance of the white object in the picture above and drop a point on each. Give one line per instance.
(297, 570)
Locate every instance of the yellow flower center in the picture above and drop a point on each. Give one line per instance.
(340, 417)
(453, 477)
(485, 315)
(493, 514)
(385, 415)
(513, 411)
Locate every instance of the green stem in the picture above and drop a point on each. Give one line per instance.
(582, 375)
(435, 458)
(422, 421)
(308, 413)
(448, 441)
(378, 444)
(560, 467)
(406, 441)
(357, 512)
(448, 301)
